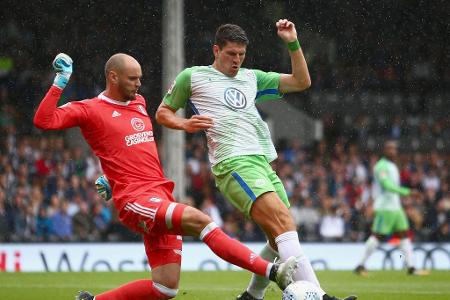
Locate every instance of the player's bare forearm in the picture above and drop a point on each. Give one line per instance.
(166, 116)
(299, 79)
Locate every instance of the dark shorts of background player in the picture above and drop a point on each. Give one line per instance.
(157, 217)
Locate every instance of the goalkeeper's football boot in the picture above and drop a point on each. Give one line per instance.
(327, 297)
(282, 273)
(360, 270)
(413, 271)
(83, 295)
(246, 296)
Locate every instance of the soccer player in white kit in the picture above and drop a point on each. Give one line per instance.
(390, 218)
(223, 98)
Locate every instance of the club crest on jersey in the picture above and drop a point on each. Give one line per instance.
(142, 110)
(138, 124)
(235, 98)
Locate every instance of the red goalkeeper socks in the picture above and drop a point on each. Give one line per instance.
(135, 290)
(233, 251)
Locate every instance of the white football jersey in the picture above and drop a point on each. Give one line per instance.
(230, 101)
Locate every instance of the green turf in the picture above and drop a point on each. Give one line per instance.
(226, 285)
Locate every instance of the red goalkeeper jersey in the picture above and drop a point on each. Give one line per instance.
(119, 133)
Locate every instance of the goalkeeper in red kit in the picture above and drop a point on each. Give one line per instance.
(118, 129)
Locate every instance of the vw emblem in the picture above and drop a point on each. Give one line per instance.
(137, 124)
(235, 98)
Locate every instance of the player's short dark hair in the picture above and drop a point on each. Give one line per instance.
(230, 33)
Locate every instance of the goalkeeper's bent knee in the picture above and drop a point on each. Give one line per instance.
(165, 291)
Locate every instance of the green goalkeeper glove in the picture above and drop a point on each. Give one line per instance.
(103, 188)
(62, 64)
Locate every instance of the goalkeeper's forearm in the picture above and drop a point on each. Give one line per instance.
(45, 116)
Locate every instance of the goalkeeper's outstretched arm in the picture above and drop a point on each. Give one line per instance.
(48, 116)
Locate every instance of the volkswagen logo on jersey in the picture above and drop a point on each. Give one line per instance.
(235, 98)
(137, 124)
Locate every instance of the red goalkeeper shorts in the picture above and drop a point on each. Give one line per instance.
(158, 218)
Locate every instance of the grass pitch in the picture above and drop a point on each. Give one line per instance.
(226, 285)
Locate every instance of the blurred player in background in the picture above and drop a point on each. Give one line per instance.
(118, 129)
(223, 98)
(390, 218)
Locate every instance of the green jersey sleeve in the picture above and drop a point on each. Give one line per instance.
(267, 85)
(382, 174)
(180, 90)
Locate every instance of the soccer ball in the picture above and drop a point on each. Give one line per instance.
(301, 290)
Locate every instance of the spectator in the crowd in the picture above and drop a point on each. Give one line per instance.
(443, 210)
(44, 226)
(431, 180)
(231, 226)
(308, 220)
(211, 209)
(100, 220)
(75, 188)
(18, 217)
(442, 233)
(82, 223)
(62, 223)
(4, 226)
(332, 225)
(36, 199)
(251, 233)
(54, 206)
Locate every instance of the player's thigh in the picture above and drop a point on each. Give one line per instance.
(272, 215)
(270, 210)
(401, 221)
(279, 188)
(383, 223)
(194, 221)
(242, 180)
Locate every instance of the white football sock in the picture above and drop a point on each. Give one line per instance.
(258, 284)
(371, 244)
(407, 249)
(289, 245)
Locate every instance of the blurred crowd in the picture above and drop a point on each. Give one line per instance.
(47, 192)
(329, 188)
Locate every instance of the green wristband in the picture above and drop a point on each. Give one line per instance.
(293, 46)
